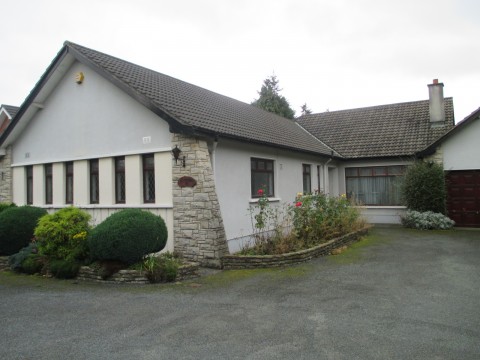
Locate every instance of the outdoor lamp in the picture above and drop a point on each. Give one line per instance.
(176, 155)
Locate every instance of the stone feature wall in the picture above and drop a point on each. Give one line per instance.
(232, 262)
(6, 176)
(199, 234)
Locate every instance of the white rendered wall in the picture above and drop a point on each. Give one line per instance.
(94, 120)
(91, 120)
(233, 182)
(461, 151)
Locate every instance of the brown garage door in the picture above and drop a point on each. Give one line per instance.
(463, 200)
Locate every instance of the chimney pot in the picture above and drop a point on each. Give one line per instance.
(435, 81)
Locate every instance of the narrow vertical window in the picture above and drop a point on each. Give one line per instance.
(69, 182)
(148, 178)
(48, 184)
(120, 180)
(29, 174)
(307, 179)
(318, 179)
(94, 182)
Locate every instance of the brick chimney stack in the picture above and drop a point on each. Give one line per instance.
(437, 103)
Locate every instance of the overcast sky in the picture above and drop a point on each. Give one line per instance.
(336, 54)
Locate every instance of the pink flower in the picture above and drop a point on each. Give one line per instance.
(298, 204)
(260, 192)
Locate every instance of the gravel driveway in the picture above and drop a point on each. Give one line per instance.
(398, 294)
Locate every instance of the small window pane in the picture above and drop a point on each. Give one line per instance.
(380, 170)
(365, 171)
(351, 172)
(396, 170)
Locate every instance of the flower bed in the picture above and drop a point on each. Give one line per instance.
(231, 262)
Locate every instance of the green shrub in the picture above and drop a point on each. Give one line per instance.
(17, 226)
(63, 234)
(64, 268)
(128, 236)
(5, 206)
(424, 187)
(15, 261)
(426, 220)
(162, 268)
(32, 264)
(318, 218)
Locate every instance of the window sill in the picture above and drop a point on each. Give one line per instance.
(271, 199)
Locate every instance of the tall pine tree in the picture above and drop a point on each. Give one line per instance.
(271, 100)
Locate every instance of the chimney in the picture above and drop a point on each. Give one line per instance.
(437, 103)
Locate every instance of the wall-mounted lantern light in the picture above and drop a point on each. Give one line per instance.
(176, 155)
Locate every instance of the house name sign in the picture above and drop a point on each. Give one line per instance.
(186, 181)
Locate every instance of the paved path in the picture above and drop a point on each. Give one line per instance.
(399, 294)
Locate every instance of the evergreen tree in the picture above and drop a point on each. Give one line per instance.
(305, 110)
(271, 100)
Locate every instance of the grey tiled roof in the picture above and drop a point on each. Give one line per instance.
(379, 131)
(12, 110)
(191, 108)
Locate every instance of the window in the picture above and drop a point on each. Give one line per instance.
(262, 177)
(148, 178)
(29, 174)
(379, 185)
(94, 182)
(69, 182)
(120, 180)
(48, 184)
(307, 179)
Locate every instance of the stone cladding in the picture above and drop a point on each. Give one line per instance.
(6, 176)
(199, 234)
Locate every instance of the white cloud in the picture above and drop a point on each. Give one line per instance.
(334, 55)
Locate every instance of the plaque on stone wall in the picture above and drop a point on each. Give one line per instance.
(186, 181)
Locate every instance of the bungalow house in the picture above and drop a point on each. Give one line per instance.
(104, 134)
(377, 143)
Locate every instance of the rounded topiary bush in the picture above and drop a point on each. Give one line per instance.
(128, 236)
(17, 225)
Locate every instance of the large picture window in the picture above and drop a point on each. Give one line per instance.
(307, 179)
(94, 182)
(262, 177)
(29, 175)
(48, 184)
(120, 180)
(378, 185)
(148, 178)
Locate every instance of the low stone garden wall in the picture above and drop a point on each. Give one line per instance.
(185, 272)
(4, 263)
(231, 262)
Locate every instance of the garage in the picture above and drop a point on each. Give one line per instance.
(463, 197)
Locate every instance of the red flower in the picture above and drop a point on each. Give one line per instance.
(260, 192)
(298, 204)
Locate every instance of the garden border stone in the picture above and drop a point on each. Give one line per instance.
(87, 273)
(233, 262)
(4, 263)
